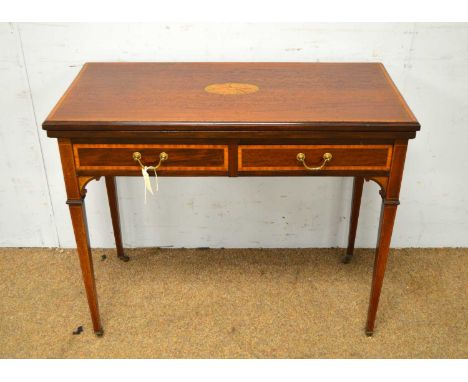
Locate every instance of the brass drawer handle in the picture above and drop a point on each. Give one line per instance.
(162, 157)
(327, 157)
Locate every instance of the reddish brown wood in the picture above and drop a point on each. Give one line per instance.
(114, 210)
(257, 135)
(353, 221)
(80, 228)
(381, 181)
(84, 180)
(233, 159)
(300, 96)
(387, 218)
(396, 175)
(72, 184)
(390, 203)
(89, 157)
(353, 111)
(283, 157)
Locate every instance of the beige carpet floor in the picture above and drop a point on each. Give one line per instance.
(234, 303)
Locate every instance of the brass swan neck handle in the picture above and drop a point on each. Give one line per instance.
(327, 157)
(162, 157)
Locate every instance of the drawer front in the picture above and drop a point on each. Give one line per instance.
(284, 157)
(181, 158)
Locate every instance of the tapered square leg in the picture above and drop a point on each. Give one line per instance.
(78, 217)
(75, 187)
(390, 190)
(114, 210)
(387, 219)
(353, 221)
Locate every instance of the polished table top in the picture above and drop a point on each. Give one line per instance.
(300, 96)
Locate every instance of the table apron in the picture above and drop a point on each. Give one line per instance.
(233, 159)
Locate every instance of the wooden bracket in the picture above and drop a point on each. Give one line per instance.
(83, 181)
(382, 181)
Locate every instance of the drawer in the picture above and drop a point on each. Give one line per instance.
(343, 157)
(180, 158)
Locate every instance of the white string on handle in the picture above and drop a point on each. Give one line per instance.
(156, 179)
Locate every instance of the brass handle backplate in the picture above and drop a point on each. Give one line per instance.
(162, 157)
(327, 157)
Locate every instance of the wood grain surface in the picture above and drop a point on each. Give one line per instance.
(152, 96)
(283, 157)
(180, 157)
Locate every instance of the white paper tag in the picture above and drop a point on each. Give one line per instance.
(146, 179)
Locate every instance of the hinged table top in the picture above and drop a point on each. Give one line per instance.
(191, 96)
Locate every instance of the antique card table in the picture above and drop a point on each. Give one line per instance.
(232, 119)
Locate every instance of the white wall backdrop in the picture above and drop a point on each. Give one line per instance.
(428, 62)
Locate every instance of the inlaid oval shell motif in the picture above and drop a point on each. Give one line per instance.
(232, 88)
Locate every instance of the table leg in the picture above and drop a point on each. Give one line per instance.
(80, 228)
(114, 210)
(76, 192)
(390, 190)
(387, 218)
(353, 223)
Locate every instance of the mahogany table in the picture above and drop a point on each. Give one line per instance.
(232, 119)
